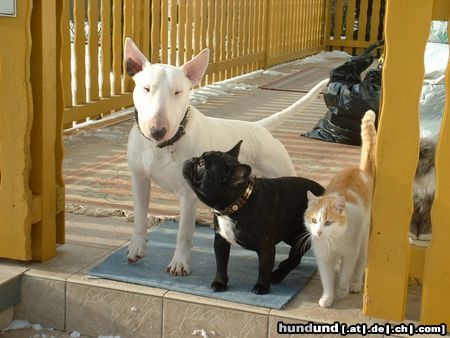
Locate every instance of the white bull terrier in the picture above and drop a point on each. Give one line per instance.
(168, 131)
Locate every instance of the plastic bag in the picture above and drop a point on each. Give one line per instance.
(347, 99)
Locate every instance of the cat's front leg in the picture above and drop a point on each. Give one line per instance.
(222, 253)
(326, 263)
(266, 256)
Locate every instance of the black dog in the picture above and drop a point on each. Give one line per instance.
(256, 213)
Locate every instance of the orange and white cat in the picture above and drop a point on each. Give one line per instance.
(339, 221)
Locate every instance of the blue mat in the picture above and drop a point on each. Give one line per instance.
(242, 269)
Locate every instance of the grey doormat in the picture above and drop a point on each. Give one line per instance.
(301, 81)
(242, 269)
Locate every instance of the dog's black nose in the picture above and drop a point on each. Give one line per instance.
(158, 134)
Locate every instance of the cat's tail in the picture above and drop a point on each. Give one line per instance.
(273, 121)
(369, 139)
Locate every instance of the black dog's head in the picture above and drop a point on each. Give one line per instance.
(217, 178)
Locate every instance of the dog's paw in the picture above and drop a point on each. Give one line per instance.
(355, 288)
(260, 289)
(277, 276)
(325, 301)
(179, 266)
(136, 247)
(217, 286)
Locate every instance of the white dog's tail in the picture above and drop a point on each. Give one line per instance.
(273, 121)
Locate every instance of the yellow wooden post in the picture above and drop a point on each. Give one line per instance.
(397, 154)
(436, 279)
(43, 134)
(16, 114)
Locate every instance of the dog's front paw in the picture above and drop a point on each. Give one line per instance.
(136, 247)
(326, 301)
(260, 289)
(217, 286)
(179, 266)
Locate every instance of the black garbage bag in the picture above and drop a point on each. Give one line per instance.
(348, 98)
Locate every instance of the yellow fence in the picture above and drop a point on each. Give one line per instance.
(354, 25)
(390, 255)
(243, 36)
(31, 184)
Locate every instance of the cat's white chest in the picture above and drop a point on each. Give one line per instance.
(226, 228)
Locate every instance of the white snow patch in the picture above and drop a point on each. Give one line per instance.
(134, 309)
(37, 327)
(203, 333)
(323, 57)
(108, 336)
(75, 334)
(273, 72)
(223, 88)
(17, 325)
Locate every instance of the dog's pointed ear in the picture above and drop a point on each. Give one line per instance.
(134, 59)
(240, 174)
(196, 68)
(235, 150)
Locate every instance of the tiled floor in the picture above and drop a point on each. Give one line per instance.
(59, 295)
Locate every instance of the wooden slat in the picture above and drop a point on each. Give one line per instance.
(338, 19)
(146, 30)
(93, 49)
(344, 43)
(156, 31)
(128, 12)
(164, 30)
(66, 72)
(217, 36)
(235, 33)
(79, 13)
(375, 20)
(209, 78)
(189, 28)
(363, 20)
(181, 31)
(136, 23)
(386, 285)
(436, 279)
(198, 22)
(106, 47)
(117, 46)
(223, 34)
(173, 32)
(327, 17)
(229, 36)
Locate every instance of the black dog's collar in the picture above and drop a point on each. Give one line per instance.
(180, 131)
(239, 203)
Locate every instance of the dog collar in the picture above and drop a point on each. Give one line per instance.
(239, 203)
(180, 131)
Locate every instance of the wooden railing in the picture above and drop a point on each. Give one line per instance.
(390, 254)
(243, 36)
(354, 24)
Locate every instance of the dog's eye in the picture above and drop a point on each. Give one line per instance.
(177, 92)
(313, 220)
(327, 223)
(201, 163)
(147, 89)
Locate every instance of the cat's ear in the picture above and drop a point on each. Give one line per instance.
(240, 174)
(339, 203)
(312, 199)
(134, 59)
(235, 150)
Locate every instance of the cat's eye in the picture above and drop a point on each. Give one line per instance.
(327, 223)
(147, 89)
(313, 220)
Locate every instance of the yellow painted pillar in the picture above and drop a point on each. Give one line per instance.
(406, 31)
(16, 115)
(436, 279)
